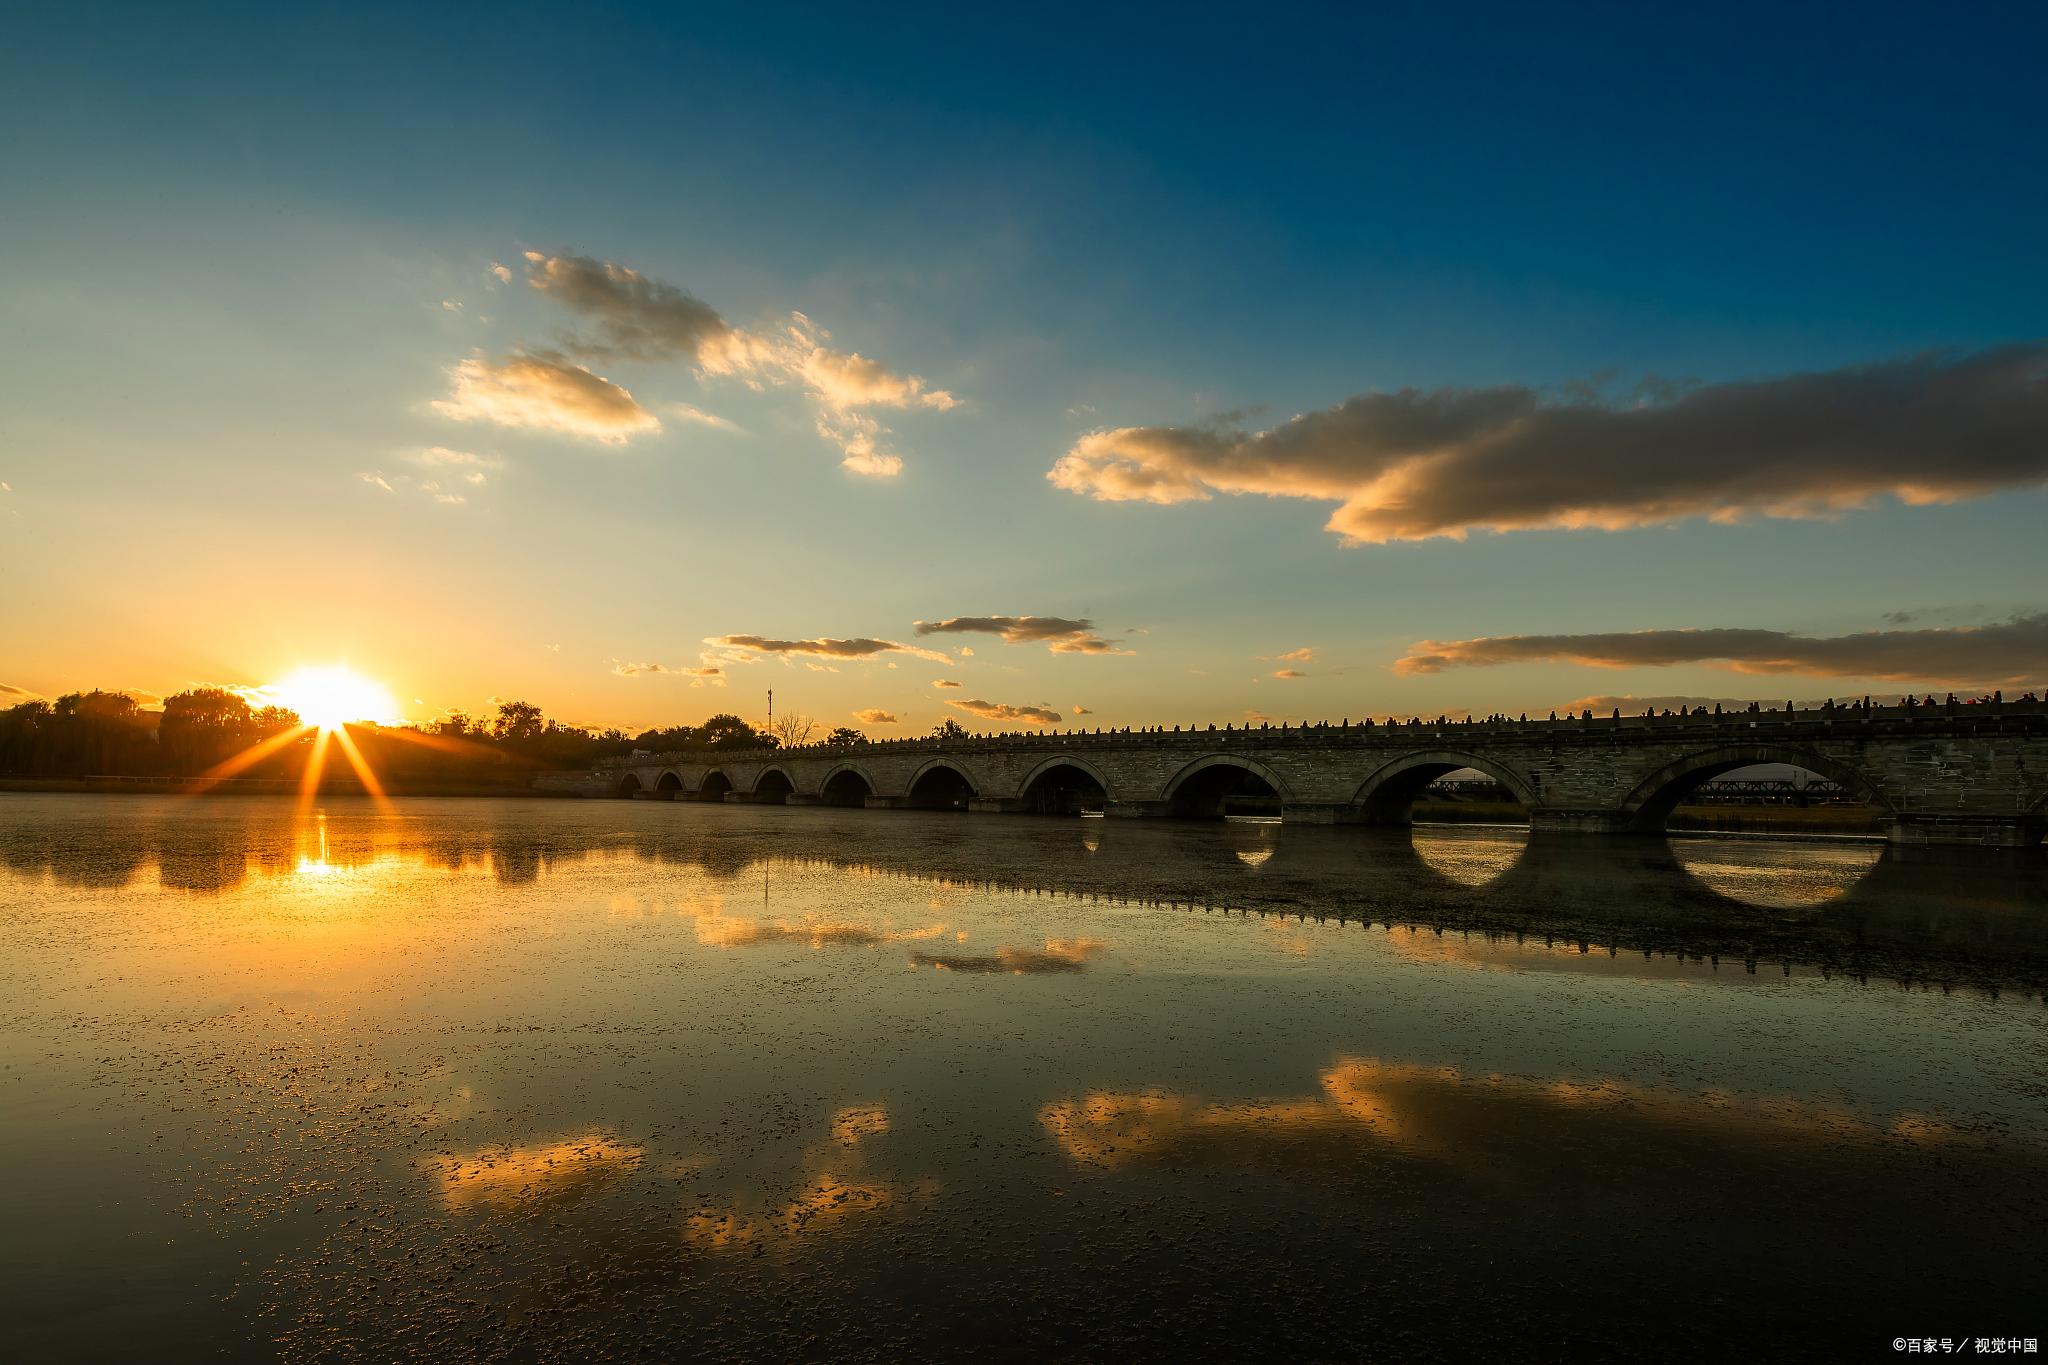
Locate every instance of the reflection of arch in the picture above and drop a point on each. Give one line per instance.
(1388, 795)
(1200, 789)
(846, 785)
(629, 786)
(1657, 795)
(668, 786)
(714, 786)
(773, 786)
(1064, 785)
(940, 785)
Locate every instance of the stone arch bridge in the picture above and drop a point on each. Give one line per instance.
(1955, 773)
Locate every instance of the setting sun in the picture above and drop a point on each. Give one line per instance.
(332, 696)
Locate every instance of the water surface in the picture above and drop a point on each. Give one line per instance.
(543, 1080)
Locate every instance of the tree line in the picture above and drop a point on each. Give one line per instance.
(109, 734)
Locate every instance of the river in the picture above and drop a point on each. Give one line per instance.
(555, 1080)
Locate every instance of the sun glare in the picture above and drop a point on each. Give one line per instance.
(332, 696)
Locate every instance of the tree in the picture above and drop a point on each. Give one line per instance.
(792, 730)
(846, 734)
(949, 729)
(518, 722)
(727, 731)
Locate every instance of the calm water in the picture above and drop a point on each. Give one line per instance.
(552, 1079)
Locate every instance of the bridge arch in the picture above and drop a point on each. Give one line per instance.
(1657, 795)
(773, 786)
(1388, 796)
(1199, 790)
(714, 786)
(846, 785)
(1064, 784)
(941, 784)
(628, 788)
(668, 786)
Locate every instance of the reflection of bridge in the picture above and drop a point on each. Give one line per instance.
(1966, 774)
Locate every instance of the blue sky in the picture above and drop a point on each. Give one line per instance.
(246, 252)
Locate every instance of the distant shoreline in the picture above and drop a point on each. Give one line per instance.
(248, 786)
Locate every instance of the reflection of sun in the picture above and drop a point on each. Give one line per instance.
(332, 696)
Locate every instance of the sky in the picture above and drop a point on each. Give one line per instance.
(1050, 367)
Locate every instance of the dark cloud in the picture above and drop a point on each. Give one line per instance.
(1928, 428)
(636, 316)
(860, 648)
(2012, 652)
(1060, 634)
(995, 710)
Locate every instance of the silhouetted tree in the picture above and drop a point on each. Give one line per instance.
(846, 734)
(950, 729)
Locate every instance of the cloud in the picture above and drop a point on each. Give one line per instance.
(641, 318)
(861, 648)
(1297, 656)
(874, 715)
(11, 695)
(995, 710)
(544, 391)
(2014, 651)
(1289, 673)
(500, 272)
(1082, 711)
(944, 682)
(1061, 634)
(710, 673)
(687, 413)
(1927, 428)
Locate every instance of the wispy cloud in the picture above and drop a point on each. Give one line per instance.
(1289, 673)
(2014, 651)
(995, 710)
(824, 648)
(11, 695)
(1296, 656)
(1927, 428)
(642, 318)
(944, 682)
(709, 673)
(1060, 634)
(687, 413)
(545, 391)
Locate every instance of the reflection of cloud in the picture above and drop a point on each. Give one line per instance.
(857, 1121)
(2013, 652)
(1060, 634)
(504, 1178)
(997, 710)
(1474, 1122)
(1059, 955)
(1929, 428)
(545, 391)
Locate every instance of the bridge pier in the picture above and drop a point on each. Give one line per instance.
(1323, 813)
(886, 802)
(1564, 820)
(803, 799)
(1137, 810)
(996, 805)
(1977, 831)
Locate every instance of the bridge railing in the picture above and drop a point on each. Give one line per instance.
(1928, 710)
